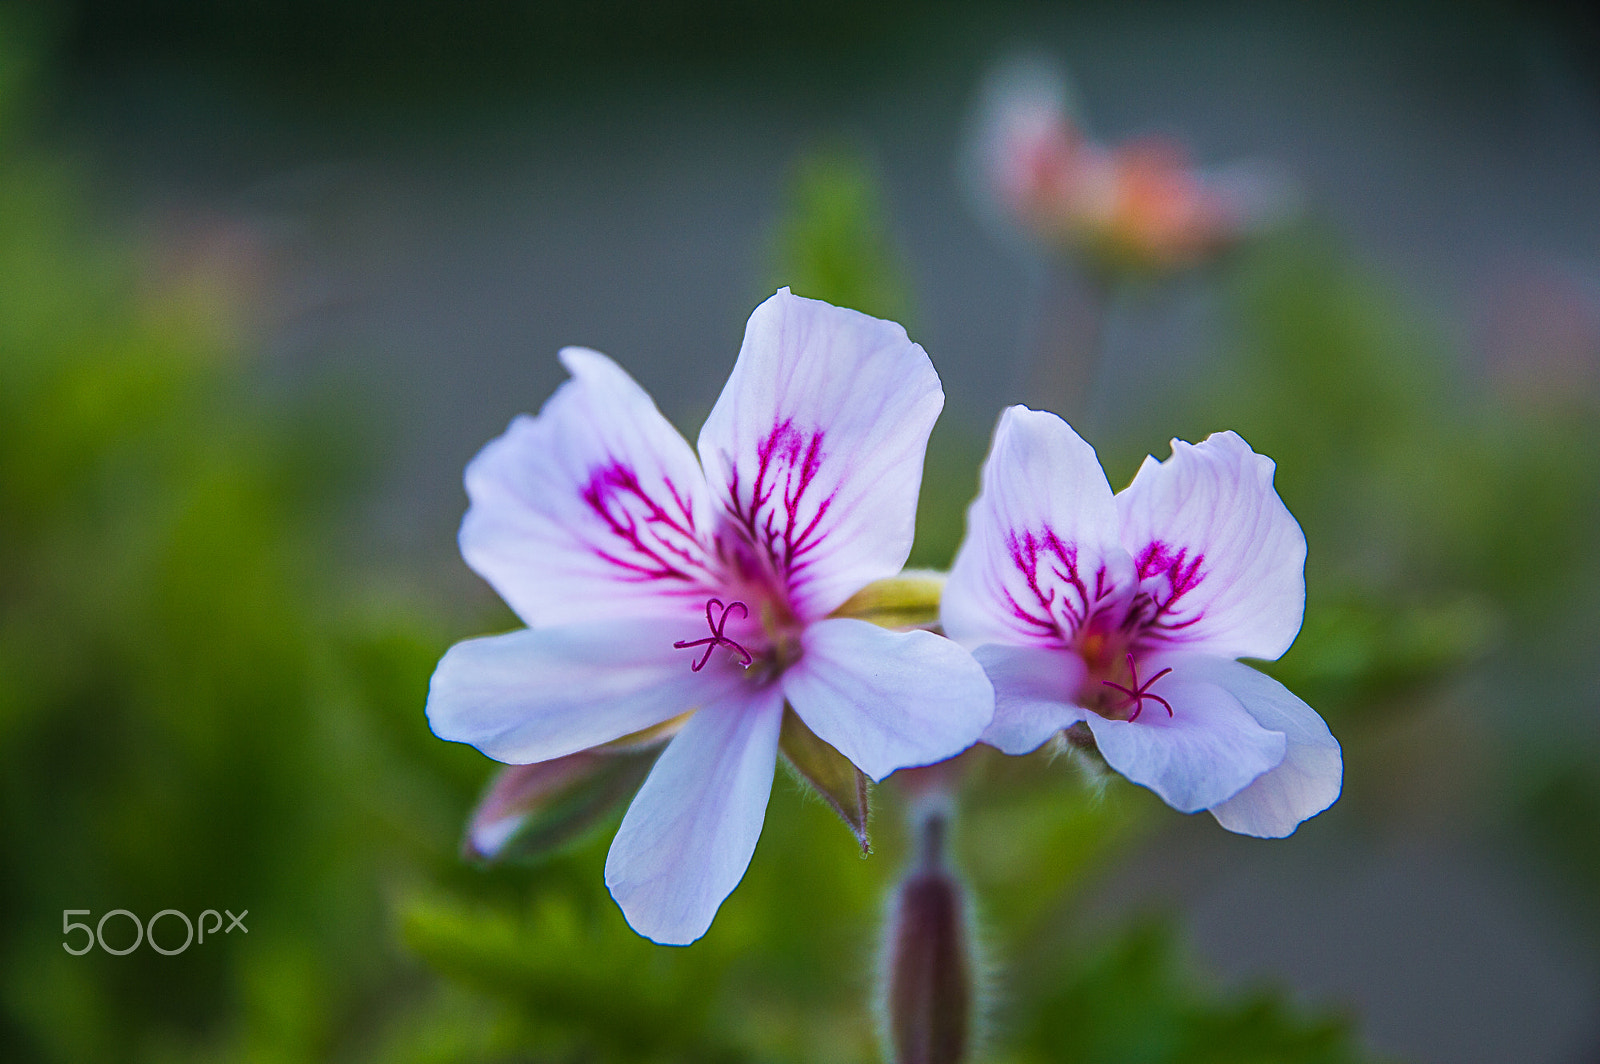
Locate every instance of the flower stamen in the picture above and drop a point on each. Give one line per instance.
(1139, 692)
(717, 639)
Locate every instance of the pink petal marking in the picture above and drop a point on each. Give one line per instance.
(654, 542)
(769, 518)
(716, 638)
(1049, 611)
(1150, 615)
(1139, 692)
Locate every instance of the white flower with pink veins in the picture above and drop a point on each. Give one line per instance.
(653, 584)
(1125, 613)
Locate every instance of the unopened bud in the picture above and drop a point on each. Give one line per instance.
(530, 810)
(929, 993)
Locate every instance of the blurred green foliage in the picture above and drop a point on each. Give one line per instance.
(786, 970)
(1453, 529)
(197, 710)
(1128, 1005)
(834, 242)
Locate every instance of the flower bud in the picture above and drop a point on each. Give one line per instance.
(929, 992)
(530, 810)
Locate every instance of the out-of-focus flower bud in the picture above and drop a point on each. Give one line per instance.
(530, 810)
(929, 987)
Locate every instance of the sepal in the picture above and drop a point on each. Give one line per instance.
(843, 786)
(909, 600)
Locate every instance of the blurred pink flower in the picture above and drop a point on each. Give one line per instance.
(1125, 613)
(653, 584)
(1140, 204)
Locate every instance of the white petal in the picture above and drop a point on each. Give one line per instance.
(1209, 515)
(594, 509)
(688, 836)
(1041, 548)
(1312, 771)
(1209, 750)
(535, 694)
(815, 448)
(1033, 694)
(888, 700)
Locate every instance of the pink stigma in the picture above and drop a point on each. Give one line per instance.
(1140, 692)
(717, 639)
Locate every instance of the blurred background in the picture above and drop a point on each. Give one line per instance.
(272, 272)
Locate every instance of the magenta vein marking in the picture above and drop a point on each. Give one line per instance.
(1065, 612)
(787, 464)
(664, 546)
(1150, 612)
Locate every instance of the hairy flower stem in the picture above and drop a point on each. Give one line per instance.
(929, 992)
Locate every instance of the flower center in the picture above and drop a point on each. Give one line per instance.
(766, 644)
(717, 620)
(1134, 695)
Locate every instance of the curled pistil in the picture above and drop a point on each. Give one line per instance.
(1139, 692)
(717, 638)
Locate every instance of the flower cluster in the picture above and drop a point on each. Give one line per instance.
(713, 602)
